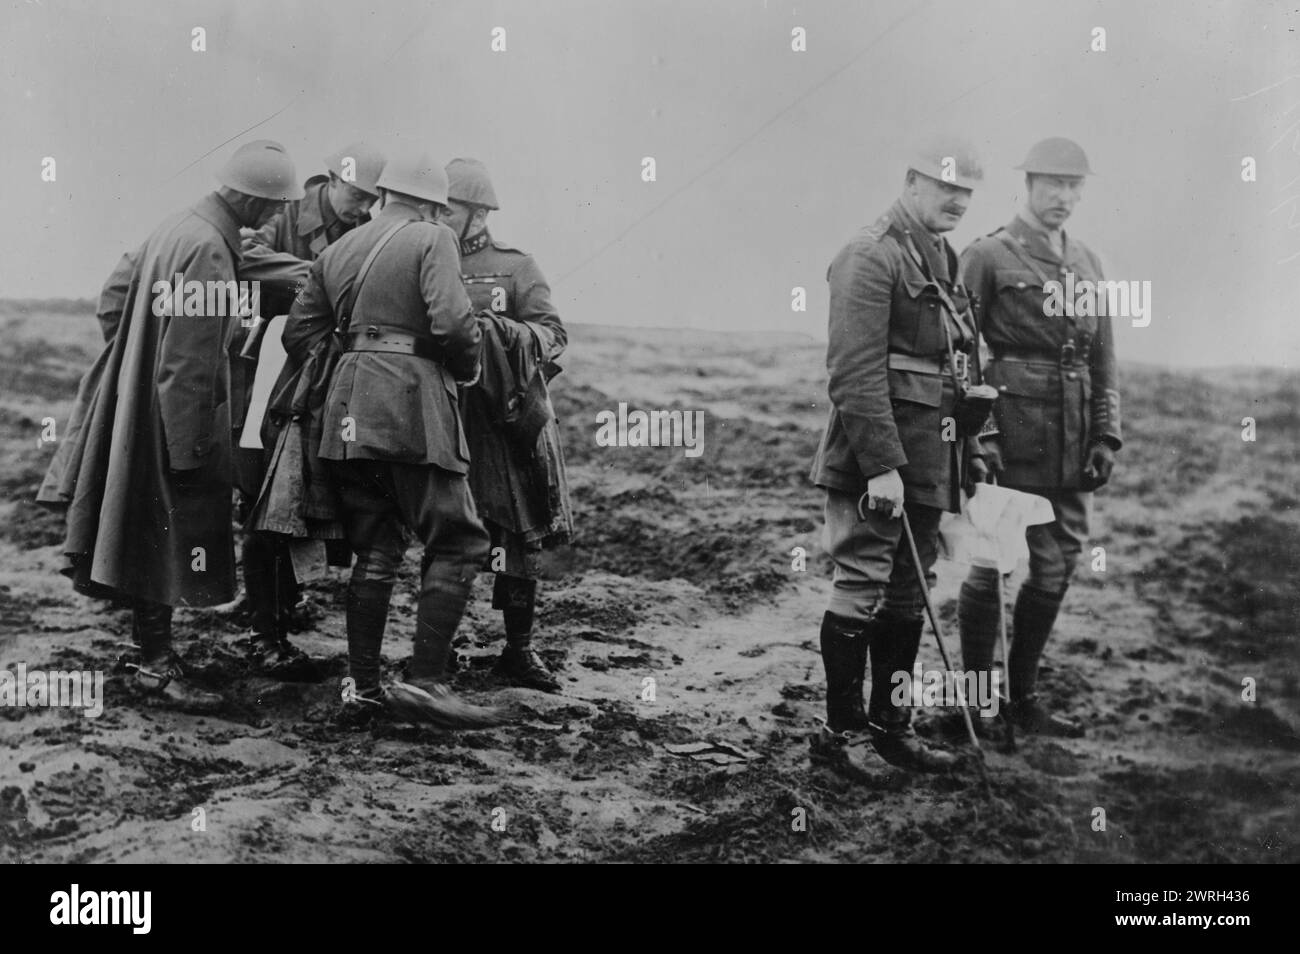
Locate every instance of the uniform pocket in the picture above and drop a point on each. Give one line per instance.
(920, 329)
(1027, 395)
(489, 293)
(917, 401)
(1016, 280)
(915, 388)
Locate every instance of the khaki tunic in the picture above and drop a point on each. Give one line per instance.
(1054, 401)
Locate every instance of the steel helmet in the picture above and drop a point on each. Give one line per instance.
(469, 183)
(367, 164)
(1056, 157)
(261, 168)
(420, 176)
(948, 159)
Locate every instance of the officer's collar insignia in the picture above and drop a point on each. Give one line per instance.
(475, 243)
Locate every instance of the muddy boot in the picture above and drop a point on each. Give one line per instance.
(893, 650)
(1034, 618)
(847, 753)
(160, 676)
(1029, 715)
(367, 615)
(977, 620)
(444, 591)
(520, 665)
(844, 644)
(278, 658)
(360, 710)
(268, 577)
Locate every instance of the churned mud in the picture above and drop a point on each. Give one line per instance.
(686, 643)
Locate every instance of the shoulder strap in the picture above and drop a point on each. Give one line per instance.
(1019, 253)
(345, 319)
(946, 300)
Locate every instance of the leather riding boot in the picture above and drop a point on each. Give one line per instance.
(844, 644)
(260, 583)
(151, 627)
(520, 665)
(268, 573)
(977, 619)
(893, 650)
(160, 675)
(1035, 615)
(367, 615)
(444, 592)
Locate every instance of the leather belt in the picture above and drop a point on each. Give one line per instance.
(1071, 356)
(376, 338)
(937, 364)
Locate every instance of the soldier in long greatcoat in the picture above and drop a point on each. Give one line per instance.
(144, 469)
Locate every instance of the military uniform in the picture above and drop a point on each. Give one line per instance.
(891, 388)
(1058, 394)
(392, 432)
(517, 471)
(521, 491)
(144, 470)
(303, 230)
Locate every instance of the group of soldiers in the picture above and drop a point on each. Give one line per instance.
(907, 316)
(413, 402)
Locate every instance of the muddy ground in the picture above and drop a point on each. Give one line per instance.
(683, 574)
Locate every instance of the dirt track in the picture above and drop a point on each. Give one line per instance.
(683, 574)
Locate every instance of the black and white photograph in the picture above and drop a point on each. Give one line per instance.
(652, 432)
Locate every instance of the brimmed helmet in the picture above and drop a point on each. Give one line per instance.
(261, 168)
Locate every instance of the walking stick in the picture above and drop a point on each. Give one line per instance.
(943, 652)
(1002, 641)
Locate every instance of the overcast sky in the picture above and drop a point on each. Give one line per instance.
(767, 159)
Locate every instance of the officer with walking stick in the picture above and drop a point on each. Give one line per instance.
(899, 355)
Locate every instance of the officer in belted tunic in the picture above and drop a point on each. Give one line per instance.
(517, 470)
(332, 205)
(1057, 414)
(901, 339)
(391, 431)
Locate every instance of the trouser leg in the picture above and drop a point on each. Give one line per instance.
(437, 505)
(373, 529)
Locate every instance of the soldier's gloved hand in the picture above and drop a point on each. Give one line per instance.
(885, 493)
(1098, 465)
(989, 450)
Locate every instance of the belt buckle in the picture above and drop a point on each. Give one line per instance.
(960, 363)
(1067, 353)
(372, 331)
